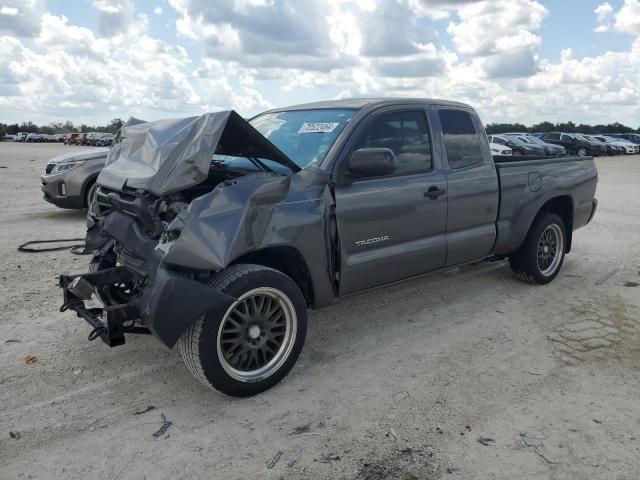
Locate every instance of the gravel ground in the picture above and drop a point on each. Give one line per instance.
(398, 383)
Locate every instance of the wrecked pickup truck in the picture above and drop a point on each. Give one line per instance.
(216, 233)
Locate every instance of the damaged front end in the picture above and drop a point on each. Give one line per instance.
(155, 175)
(139, 294)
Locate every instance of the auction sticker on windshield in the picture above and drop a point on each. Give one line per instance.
(318, 127)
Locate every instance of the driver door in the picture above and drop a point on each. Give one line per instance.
(392, 227)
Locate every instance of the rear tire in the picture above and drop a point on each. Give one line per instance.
(257, 341)
(582, 152)
(540, 257)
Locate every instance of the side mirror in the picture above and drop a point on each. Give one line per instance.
(372, 162)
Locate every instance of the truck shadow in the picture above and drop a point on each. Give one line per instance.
(357, 326)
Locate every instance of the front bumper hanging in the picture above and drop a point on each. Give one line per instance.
(111, 322)
(167, 306)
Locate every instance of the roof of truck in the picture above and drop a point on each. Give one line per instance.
(359, 103)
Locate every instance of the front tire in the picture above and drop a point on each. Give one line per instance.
(582, 152)
(257, 341)
(90, 199)
(540, 257)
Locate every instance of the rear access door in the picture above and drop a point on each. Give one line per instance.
(473, 190)
(392, 227)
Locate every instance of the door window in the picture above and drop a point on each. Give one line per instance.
(407, 135)
(461, 140)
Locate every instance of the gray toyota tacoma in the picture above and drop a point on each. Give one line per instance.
(217, 234)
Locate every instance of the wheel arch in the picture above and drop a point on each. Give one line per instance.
(287, 260)
(563, 207)
(86, 186)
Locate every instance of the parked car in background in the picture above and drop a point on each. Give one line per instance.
(104, 140)
(34, 138)
(69, 179)
(92, 138)
(629, 147)
(60, 137)
(9, 137)
(518, 146)
(574, 143)
(70, 139)
(611, 148)
(21, 137)
(81, 139)
(631, 137)
(499, 149)
(550, 149)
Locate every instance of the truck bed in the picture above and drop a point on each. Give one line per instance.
(526, 185)
(509, 159)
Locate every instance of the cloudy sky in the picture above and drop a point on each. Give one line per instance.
(514, 60)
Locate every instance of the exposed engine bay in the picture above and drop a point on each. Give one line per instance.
(177, 202)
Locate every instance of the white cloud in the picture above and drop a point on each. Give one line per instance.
(251, 54)
(604, 13)
(116, 16)
(502, 34)
(628, 18)
(21, 17)
(9, 11)
(483, 25)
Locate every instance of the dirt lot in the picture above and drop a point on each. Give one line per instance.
(399, 383)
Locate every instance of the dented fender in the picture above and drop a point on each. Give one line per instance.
(256, 212)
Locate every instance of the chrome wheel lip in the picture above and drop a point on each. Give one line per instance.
(546, 259)
(291, 321)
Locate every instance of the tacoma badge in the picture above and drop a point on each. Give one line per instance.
(369, 241)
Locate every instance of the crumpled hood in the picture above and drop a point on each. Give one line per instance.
(166, 156)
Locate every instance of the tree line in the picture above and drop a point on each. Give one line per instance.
(493, 128)
(59, 127)
(568, 127)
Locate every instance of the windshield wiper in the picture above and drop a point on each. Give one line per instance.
(261, 165)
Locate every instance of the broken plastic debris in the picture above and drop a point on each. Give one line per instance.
(274, 460)
(165, 426)
(532, 439)
(486, 441)
(30, 359)
(148, 409)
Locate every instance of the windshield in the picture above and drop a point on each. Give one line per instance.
(535, 140)
(526, 139)
(514, 140)
(305, 136)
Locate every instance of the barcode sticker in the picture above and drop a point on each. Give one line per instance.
(318, 127)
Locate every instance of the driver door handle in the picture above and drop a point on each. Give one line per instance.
(434, 192)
